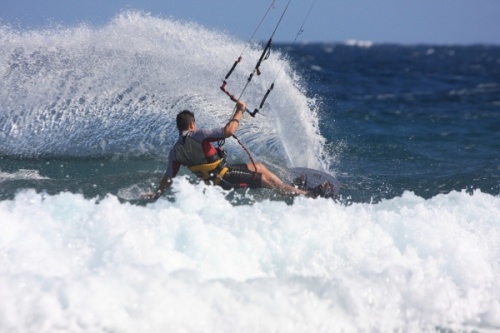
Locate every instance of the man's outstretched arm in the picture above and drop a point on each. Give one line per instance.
(165, 183)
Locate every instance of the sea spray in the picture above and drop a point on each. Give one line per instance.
(88, 91)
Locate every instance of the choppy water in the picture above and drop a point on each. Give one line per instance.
(86, 119)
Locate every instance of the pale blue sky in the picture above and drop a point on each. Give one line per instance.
(393, 21)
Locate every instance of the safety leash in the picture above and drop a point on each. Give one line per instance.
(249, 156)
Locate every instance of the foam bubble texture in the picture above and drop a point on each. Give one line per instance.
(203, 264)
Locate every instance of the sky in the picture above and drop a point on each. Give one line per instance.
(379, 21)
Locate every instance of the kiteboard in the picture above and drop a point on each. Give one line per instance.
(307, 179)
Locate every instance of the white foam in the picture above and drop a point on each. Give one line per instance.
(201, 263)
(21, 174)
(359, 43)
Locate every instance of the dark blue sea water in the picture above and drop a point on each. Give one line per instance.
(423, 118)
(86, 120)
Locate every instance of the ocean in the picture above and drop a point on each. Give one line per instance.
(87, 119)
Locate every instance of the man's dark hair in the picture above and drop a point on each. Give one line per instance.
(184, 118)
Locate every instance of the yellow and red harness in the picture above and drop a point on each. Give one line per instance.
(213, 171)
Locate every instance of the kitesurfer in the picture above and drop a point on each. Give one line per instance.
(194, 149)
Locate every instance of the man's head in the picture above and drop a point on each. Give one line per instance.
(184, 120)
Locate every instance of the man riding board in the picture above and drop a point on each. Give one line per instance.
(194, 149)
